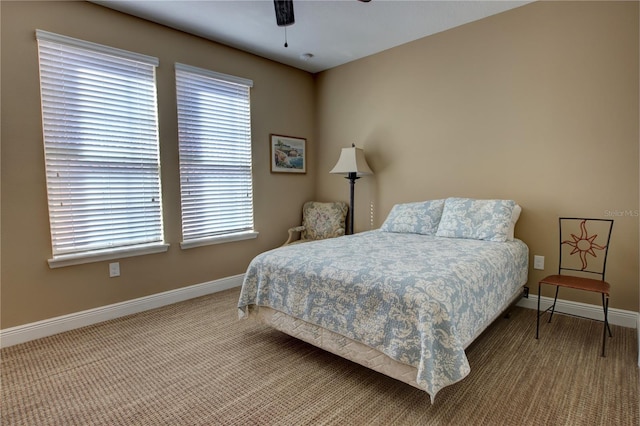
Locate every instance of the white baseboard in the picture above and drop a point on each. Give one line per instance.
(619, 317)
(24, 333)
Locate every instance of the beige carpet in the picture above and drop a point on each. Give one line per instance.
(195, 363)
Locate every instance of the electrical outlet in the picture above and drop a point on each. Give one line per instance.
(114, 269)
(538, 262)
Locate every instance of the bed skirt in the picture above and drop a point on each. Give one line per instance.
(336, 344)
(350, 349)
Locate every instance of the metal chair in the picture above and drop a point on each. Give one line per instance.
(319, 221)
(584, 245)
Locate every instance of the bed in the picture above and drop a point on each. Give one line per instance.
(406, 299)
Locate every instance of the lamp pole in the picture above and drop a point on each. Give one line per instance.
(352, 176)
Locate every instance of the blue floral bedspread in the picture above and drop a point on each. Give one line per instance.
(418, 299)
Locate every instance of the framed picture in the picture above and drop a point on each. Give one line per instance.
(288, 154)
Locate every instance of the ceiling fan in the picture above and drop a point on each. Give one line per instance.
(284, 12)
(285, 16)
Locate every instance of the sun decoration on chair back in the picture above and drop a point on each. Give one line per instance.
(584, 244)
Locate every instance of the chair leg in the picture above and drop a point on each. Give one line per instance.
(538, 312)
(606, 309)
(553, 308)
(605, 305)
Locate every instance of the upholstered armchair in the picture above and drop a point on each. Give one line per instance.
(319, 221)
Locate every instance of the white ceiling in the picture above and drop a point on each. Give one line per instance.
(333, 31)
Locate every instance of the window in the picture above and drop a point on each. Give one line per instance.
(100, 128)
(214, 131)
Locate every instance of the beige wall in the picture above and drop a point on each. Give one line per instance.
(282, 102)
(538, 104)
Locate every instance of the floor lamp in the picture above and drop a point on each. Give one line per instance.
(353, 164)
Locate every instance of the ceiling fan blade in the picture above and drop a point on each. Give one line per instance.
(284, 12)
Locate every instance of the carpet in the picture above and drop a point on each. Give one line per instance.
(195, 363)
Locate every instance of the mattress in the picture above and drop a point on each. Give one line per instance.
(418, 300)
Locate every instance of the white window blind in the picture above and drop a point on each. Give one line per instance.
(214, 128)
(101, 146)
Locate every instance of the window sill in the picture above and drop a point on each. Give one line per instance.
(218, 239)
(98, 256)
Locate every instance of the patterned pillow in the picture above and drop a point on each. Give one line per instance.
(476, 219)
(415, 218)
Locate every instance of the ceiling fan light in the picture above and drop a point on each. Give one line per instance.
(284, 12)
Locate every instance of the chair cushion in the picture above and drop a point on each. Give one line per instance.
(580, 283)
(323, 220)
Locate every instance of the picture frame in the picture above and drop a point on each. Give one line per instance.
(288, 154)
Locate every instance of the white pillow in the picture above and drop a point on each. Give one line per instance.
(514, 219)
(488, 220)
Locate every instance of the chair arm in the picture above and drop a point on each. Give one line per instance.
(291, 231)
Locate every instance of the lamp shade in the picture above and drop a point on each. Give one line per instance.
(352, 161)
